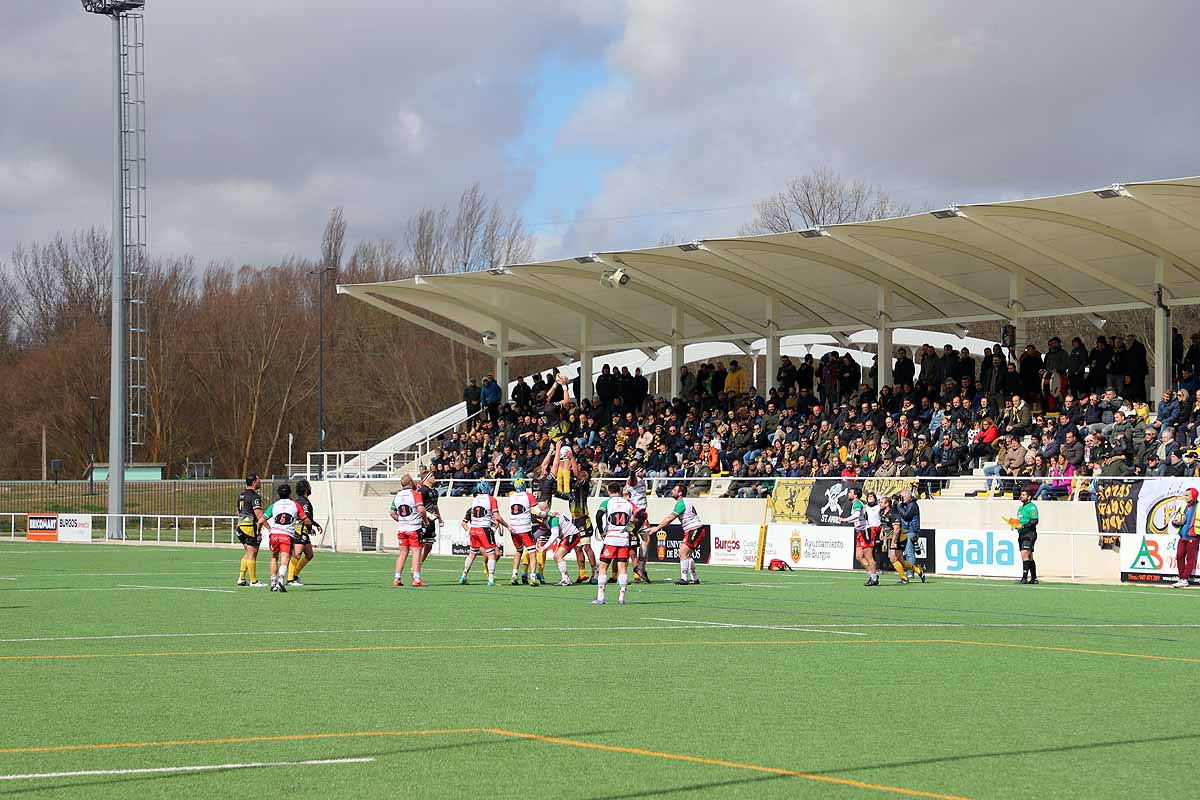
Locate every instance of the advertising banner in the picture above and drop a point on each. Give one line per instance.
(41, 528)
(664, 546)
(733, 545)
(75, 528)
(810, 546)
(1150, 558)
(983, 553)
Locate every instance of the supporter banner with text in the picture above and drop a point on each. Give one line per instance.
(810, 546)
(1150, 558)
(733, 545)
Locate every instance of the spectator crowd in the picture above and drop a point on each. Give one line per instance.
(1048, 421)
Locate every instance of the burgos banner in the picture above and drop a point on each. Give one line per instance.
(991, 554)
(733, 545)
(810, 546)
(1150, 558)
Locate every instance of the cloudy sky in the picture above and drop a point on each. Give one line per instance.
(607, 123)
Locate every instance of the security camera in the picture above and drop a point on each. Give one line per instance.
(614, 277)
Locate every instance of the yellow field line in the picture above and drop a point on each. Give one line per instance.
(570, 645)
(497, 732)
(714, 762)
(236, 740)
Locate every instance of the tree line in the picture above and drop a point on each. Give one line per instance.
(233, 350)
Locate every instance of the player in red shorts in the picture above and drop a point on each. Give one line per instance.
(521, 504)
(283, 516)
(480, 520)
(636, 488)
(563, 538)
(864, 541)
(694, 533)
(618, 525)
(408, 510)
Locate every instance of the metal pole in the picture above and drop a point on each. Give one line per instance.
(321, 363)
(92, 445)
(116, 410)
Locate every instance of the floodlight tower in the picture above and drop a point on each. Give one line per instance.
(127, 381)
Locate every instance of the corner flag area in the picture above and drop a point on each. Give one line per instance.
(164, 679)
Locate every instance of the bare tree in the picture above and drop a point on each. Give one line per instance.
(821, 197)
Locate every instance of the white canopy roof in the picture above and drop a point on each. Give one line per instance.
(1089, 252)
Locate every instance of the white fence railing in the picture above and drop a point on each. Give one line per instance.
(378, 462)
(175, 529)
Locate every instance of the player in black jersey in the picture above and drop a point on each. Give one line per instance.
(429, 496)
(581, 485)
(251, 521)
(302, 549)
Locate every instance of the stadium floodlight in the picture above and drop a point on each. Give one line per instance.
(612, 278)
(691, 247)
(946, 213)
(128, 361)
(1116, 190)
(813, 232)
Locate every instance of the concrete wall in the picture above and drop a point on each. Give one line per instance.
(1067, 536)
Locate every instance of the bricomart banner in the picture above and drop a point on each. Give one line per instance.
(58, 528)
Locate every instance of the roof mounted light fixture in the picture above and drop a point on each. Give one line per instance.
(1116, 190)
(488, 337)
(963, 332)
(946, 213)
(590, 258)
(1097, 320)
(813, 232)
(612, 278)
(499, 271)
(691, 247)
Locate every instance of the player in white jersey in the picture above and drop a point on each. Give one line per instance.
(864, 542)
(564, 538)
(480, 521)
(521, 505)
(694, 533)
(636, 489)
(282, 517)
(408, 510)
(618, 515)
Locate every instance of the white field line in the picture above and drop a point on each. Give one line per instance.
(33, 776)
(178, 588)
(756, 627)
(511, 629)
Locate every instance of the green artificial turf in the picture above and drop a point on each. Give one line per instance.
(748, 669)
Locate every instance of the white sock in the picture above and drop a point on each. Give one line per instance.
(491, 566)
(283, 573)
(684, 567)
(416, 576)
(562, 569)
(623, 581)
(397, 576)
(601, 581)
(467, 564)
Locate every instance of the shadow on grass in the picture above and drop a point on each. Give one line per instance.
(1033, 751)
(692, 787)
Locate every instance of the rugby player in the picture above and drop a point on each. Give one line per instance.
(864, 545)
(581, 487)
(480, 521)
(409, 513)
(694, 532)
(429, 496)
(559, 459)
(618, 525)
(521, 504)
(302, 553)
(283, 516)
(251, 522)
(636, 488)
(564, 538)
(895, 535)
